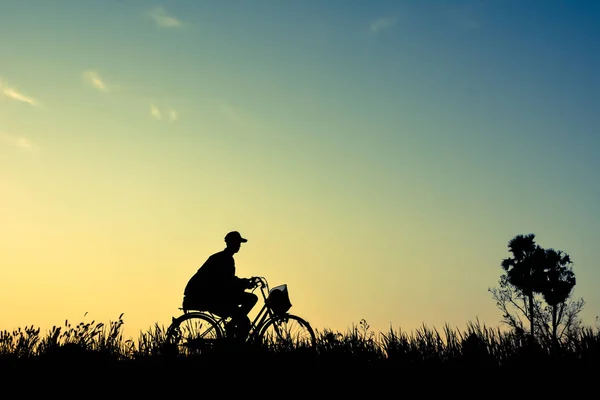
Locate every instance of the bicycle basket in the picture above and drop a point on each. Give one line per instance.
(279, 299)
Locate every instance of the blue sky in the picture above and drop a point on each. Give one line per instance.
(381, 154)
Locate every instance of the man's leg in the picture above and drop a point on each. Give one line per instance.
(244, 303)
(225, 310)
(247, 302)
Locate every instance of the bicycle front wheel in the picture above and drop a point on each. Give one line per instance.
(193, 333)
(287, 332)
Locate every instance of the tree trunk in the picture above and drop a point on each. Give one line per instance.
(554, 325)
(531, 317)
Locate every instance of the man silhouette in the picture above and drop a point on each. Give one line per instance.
(216, 288)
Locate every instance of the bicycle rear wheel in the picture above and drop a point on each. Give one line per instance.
(287, 332)
(192, 333)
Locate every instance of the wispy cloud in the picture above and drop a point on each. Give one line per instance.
(94, 80)
(383, 23)
(164, 20)
(17, 141)
(170, 115)
(161, 108)
(155, 112)
(14, 94)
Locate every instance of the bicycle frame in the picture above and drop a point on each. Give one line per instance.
(264, 313)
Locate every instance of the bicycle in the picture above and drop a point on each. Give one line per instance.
(199, 331)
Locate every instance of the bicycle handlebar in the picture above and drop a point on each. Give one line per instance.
(259, 282)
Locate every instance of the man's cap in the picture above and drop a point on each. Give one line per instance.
(235, 236)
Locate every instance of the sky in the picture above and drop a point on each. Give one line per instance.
(378, 156)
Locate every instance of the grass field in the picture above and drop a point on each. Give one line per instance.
(478, 346)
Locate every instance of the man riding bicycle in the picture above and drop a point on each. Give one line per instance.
(216, 288)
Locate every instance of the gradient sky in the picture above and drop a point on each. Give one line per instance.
(378, 155)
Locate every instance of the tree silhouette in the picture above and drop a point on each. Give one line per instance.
(558, 286)
(534, 276)
(525, 270)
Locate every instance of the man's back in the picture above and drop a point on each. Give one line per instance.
(215, 276)
(218, 269)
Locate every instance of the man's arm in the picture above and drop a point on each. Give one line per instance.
(243, 283)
